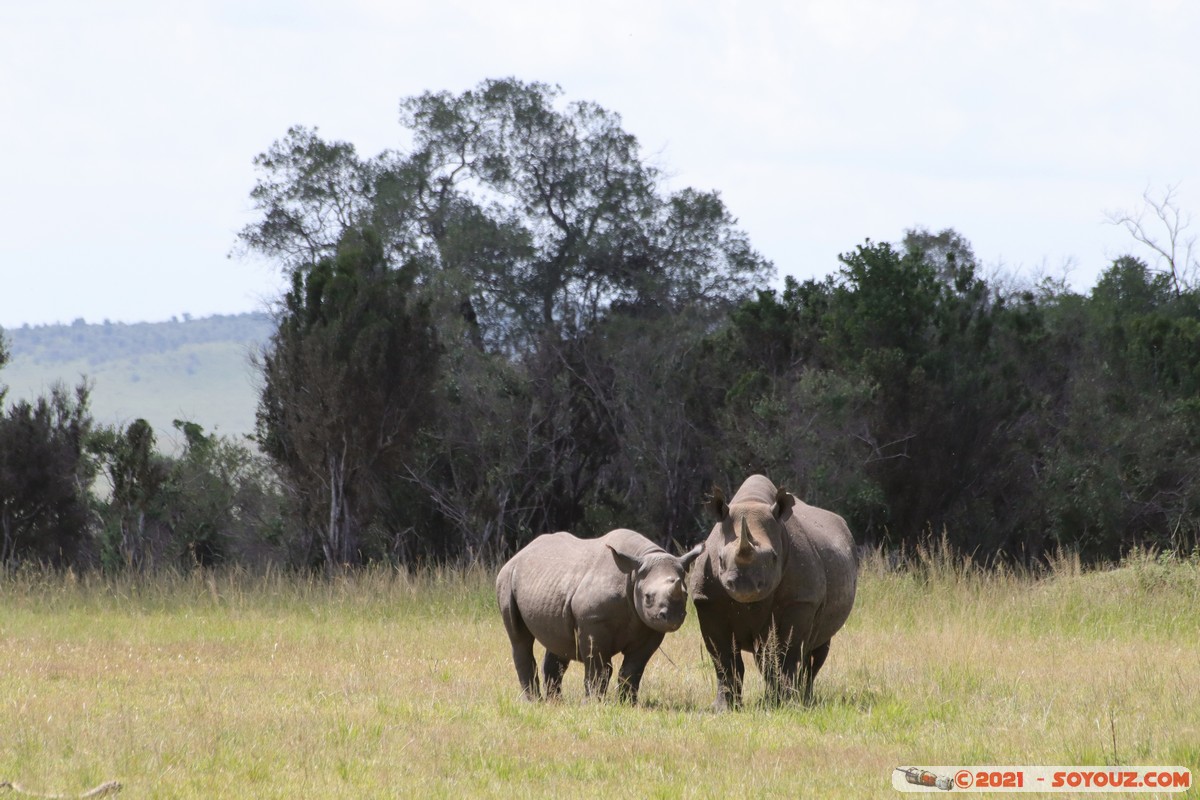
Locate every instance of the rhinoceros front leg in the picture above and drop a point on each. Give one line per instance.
(632, 667)
(553, 668)
(785, 660)
(730, 672)
(727, 660)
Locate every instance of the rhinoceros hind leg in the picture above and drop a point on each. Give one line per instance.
(813, 663)
(779, 667)
(597, 674)
(553, 667)
(789, 673)
(522, 646)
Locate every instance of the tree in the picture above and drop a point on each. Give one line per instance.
(1129, 288)
(221, 502)
(902, 392)
(600, 231)
(1174, 249)
(312, 192)
(529, 229)
(44, 477)
(213, 503)
(575, 177)
(348, 378)
(134, 536)
(537, 218)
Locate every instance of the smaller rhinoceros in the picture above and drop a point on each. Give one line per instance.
(587, 600)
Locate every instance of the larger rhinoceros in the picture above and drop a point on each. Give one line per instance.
(778, 579)
(587, 600)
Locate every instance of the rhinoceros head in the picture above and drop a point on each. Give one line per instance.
(748, 563)
(659, 591)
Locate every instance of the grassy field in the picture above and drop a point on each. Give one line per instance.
(385, 684)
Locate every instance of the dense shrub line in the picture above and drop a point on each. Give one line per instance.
(514, 328)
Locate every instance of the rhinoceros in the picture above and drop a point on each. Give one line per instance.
(587, 600)
(778, 579)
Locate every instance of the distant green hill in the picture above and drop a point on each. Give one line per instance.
(193, 369)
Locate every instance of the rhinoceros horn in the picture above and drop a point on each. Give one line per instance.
(745, 548)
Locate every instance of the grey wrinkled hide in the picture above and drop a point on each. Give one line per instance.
(777, 579)
(587, 600)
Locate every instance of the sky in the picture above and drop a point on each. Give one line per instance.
(128, 128)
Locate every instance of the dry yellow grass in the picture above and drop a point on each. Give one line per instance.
(386, 684)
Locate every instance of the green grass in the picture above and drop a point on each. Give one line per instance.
(386, 684)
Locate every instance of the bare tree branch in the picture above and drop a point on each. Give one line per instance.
(1160, 225)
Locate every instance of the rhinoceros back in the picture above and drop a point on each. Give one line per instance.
(755, 489)
(542, 579)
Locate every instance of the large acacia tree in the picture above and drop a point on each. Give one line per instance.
(523, 215)
(529, 226)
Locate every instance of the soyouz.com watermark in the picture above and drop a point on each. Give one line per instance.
(1042, 779)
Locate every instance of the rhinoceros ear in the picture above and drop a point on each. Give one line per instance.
(626, 563)
(717, 505)
(687, 558)
(783, 505)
